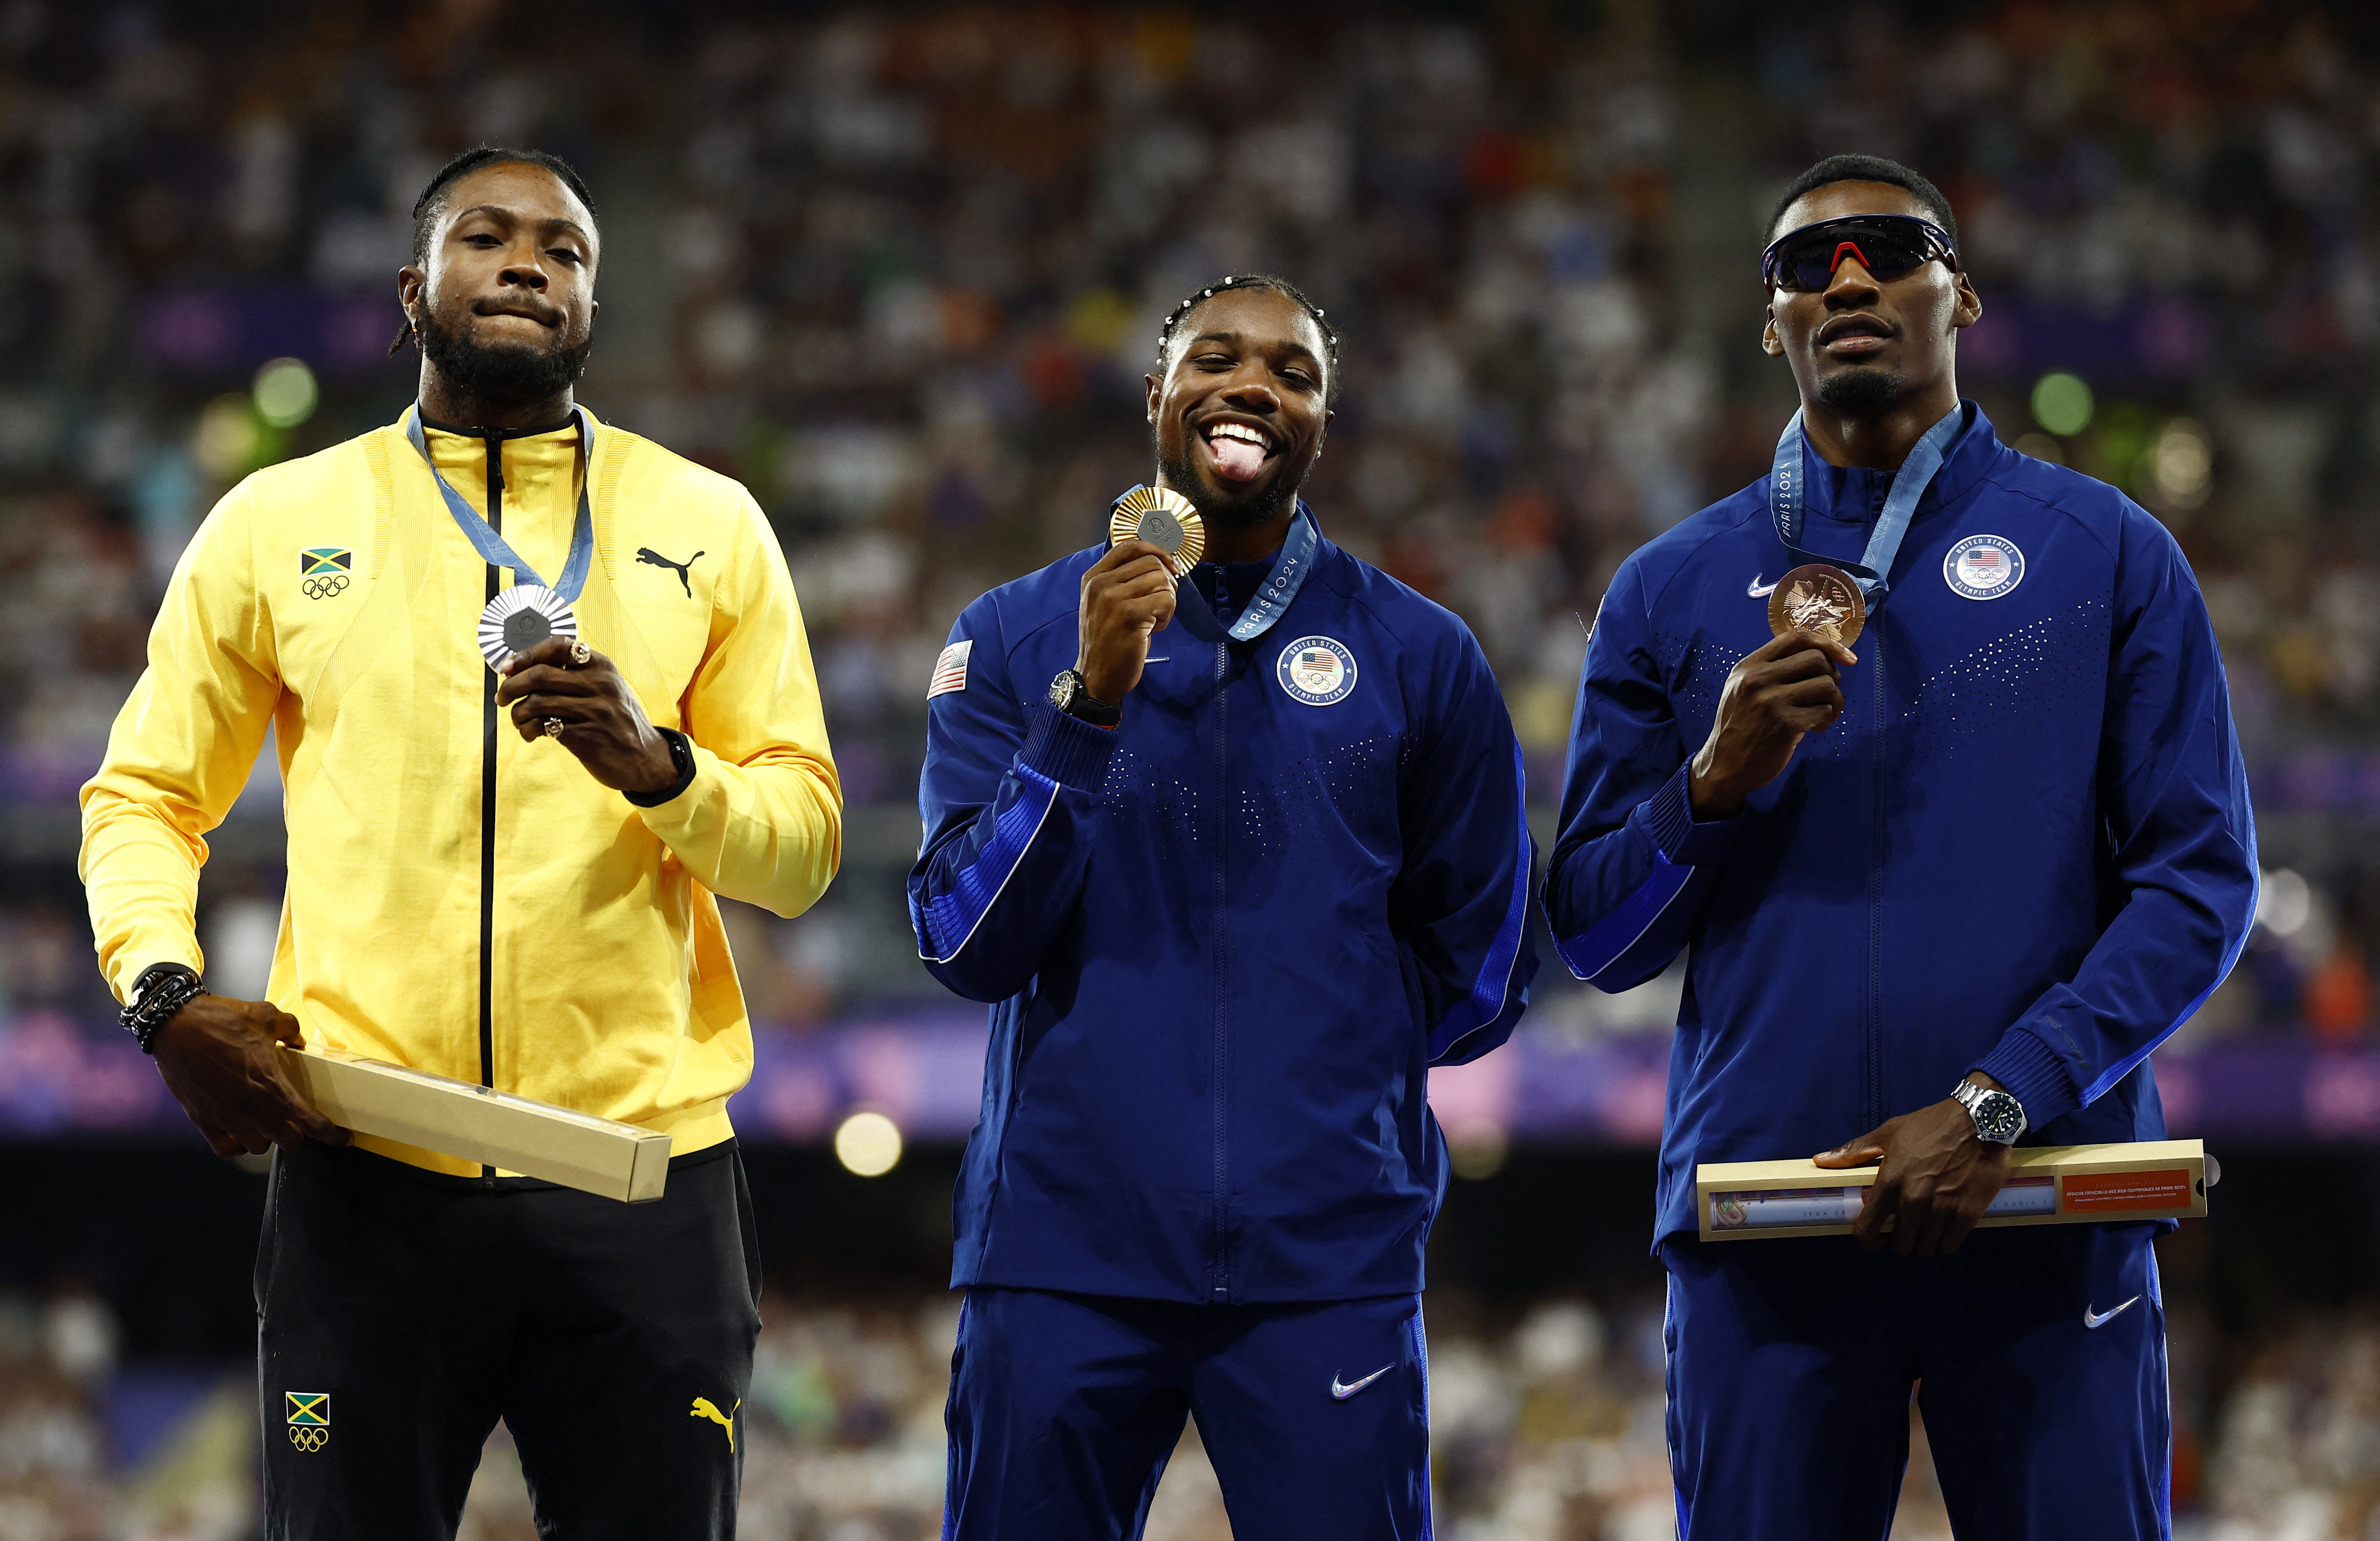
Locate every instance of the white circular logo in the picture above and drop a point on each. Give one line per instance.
(1317, 670)
(1983, 567)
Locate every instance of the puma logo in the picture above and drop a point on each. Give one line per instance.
(703, 1406)
(652, 558)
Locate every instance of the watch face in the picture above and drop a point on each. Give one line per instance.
(1998, 1117)
(1062, 689)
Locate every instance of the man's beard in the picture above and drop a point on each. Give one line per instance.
(1862, 390)
(1184, 477)
(502, 374)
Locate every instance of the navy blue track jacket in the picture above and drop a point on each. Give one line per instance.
(1223, 941)
(2026, 846)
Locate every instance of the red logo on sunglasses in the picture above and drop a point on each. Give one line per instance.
(1851, 246)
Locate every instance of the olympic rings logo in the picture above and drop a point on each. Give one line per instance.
(324, 588)
(308, 1439)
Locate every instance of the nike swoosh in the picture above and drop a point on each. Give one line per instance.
(1758, 590)
(1340, 1393)
(2097, 1321)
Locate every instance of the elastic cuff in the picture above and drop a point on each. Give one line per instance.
(1670, 818)
(2034, 1074)
(681, 756)
(1067, 749)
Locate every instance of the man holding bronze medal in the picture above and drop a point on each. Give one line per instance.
(1228, 827)
(1921, 749)
(510, 798)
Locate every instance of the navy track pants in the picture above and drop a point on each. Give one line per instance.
(1064, 1409)
(1792, 1363)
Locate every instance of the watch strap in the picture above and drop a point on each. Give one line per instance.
(681, 750)
(1081, 704)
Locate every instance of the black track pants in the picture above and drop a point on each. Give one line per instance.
(401, 1313)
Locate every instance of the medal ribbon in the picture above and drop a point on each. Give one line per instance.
(1872, 572)
(492, 547)
(1272, 597)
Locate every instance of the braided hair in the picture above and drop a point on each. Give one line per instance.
(1165, 334)
(432, 202)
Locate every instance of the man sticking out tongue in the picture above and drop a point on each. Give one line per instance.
(1239, 450)
(1227, 900)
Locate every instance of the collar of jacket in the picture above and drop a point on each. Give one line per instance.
(434, 426)
(1855, 494)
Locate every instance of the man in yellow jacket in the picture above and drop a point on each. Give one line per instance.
(539, 690)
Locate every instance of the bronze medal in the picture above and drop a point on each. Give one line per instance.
(1819, 600)
(1165, 519)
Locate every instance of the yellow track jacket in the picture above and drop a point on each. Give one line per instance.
(459, 899)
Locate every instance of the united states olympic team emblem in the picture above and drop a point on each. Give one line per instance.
(1317, 671)
(1983, 567)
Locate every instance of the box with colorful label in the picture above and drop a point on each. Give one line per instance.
(2047, 1186)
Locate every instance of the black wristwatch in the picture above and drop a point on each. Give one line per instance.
(681, 750)
(1071, 696)
(162, 989)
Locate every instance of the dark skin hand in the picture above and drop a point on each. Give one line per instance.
(221, 1059)
(1935, 1178)
(1127, 597)
(603, 724)
(1791, 687)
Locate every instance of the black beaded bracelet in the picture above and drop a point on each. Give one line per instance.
(161, 990)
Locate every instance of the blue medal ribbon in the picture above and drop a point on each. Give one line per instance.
(1272, 597)
(492, 547)
(1290, 571)
(1872, 572)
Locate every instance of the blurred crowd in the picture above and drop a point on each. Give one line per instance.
(1545, 1426)
(901, 273)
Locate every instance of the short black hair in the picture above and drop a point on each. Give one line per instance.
(1279, 286)
(1865, 168)
(432, 202)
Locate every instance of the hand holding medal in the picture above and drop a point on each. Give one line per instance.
(554, 683)
(1791, 685)
(1153, 538)
(562, 688)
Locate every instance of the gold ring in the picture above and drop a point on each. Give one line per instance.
(553, 727)
(580, 653)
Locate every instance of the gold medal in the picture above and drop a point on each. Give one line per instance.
(1819, 600)
(1165, 519)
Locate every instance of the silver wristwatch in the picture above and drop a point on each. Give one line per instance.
(1999, 1118)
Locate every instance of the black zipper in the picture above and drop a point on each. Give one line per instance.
(495, 443)
(1220, 1292)
(1876, 1109)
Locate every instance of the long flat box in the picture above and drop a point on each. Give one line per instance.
(477, 1123)
(2055, 1185)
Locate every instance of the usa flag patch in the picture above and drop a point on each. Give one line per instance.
(950, 670)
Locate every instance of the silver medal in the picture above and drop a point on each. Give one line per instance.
(520, 618)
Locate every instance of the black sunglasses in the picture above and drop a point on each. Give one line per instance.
(1887, 245)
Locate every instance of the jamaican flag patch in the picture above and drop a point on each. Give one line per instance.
(309, 1419)
(315, 561)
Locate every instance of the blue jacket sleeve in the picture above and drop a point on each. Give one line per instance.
(1632, 870)
(2173, 802)
(1461, 903)
(1010, 798)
